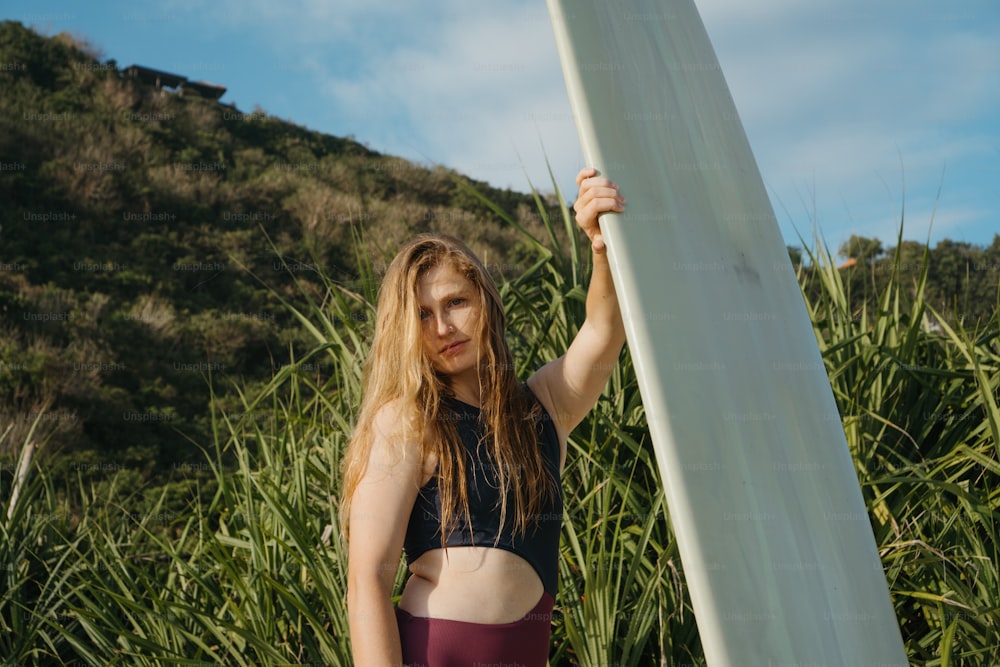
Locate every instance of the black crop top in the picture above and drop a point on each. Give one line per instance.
(539, 544)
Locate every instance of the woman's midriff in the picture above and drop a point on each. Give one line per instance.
(473, 584)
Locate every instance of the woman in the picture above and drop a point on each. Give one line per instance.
(455, 460)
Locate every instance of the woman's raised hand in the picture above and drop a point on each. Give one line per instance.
(597, 195)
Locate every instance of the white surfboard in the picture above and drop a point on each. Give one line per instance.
(773, 533)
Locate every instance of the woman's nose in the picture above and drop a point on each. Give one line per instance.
(443, 326)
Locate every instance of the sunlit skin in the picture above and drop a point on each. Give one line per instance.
(473, 584)
(449, 318)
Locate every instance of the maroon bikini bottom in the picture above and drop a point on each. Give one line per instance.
(438, 642)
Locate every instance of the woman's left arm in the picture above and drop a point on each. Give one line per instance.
(571, 385)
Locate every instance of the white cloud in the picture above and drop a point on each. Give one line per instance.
(834, 95)
(847, 104)
(480, 97)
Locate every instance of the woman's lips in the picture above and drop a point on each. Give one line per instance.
(454, 347)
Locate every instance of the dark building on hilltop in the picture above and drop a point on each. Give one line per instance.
(161, 79)
(155, 77)
(204, 88)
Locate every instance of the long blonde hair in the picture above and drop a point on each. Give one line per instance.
(397, 369)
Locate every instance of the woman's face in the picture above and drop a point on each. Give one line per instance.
(449, 322)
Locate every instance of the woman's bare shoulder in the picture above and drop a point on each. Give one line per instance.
(396, 414)
(396, 429)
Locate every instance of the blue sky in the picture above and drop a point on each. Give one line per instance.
(852, 107)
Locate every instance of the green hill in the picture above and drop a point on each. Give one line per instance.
(146, 235)
(136, 254)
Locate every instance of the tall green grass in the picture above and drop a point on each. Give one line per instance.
(253, 573)
(918, 397)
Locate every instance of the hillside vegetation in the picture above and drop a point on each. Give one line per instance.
(145, 238)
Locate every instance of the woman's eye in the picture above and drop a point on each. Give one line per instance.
(457, 302)
(424, 314)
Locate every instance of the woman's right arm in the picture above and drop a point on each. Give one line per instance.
(380, 510)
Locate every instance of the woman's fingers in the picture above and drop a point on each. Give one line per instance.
(587, 212)
(584, 174)
(597, 195)
(598, 199)
(602, 190)
(597, 187)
